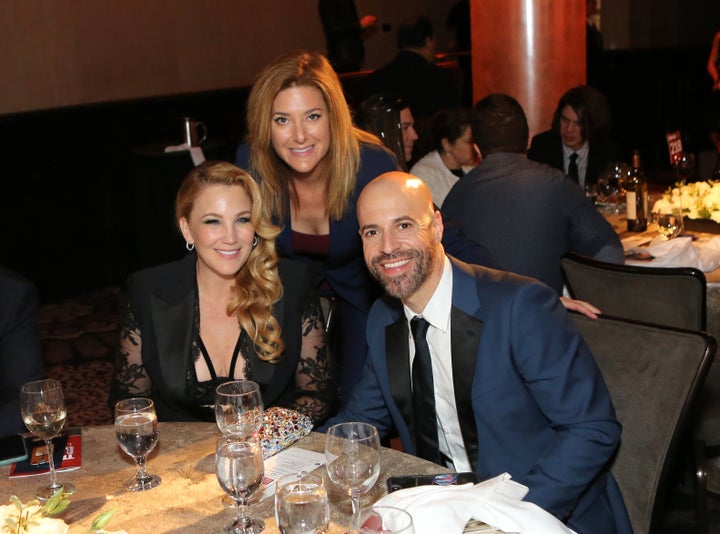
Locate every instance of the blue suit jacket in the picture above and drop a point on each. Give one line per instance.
(531, 400)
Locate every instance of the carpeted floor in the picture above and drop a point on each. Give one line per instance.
(80, 337)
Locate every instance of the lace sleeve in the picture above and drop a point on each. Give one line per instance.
(130, 378)
(315, 378)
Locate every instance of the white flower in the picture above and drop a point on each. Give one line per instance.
(38, 525)
(698, 200)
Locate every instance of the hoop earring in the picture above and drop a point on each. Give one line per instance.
(189, 246)
(255, 241)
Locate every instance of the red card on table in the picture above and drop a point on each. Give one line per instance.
(67, 454)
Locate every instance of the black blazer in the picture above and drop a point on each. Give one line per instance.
(162, 300)
(20, 348)
(547, 148)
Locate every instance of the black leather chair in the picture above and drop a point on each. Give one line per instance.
(673, 296)
(654, 374)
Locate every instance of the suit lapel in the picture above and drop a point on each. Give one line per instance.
(173, 333)
(466, 331)
(398, 367)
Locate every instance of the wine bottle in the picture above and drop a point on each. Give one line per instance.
(635, 188)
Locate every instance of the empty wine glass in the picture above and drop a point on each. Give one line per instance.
(238, 407)
(42, 406)
(382, 519)
(352, 455)
(136, 429)
(240, 470)
(301, 504)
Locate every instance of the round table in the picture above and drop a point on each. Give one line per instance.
(189, 498)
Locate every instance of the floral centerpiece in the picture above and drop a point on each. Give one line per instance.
(36, 518)
(698, 200)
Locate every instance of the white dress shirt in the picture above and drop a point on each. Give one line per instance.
(437, 313)
(582, 161)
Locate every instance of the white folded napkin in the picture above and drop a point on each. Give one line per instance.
(679, 252)
(196, 152)
(497, 502)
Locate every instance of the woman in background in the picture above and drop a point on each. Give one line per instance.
(228, 310)
(312, 162)
(455, 153)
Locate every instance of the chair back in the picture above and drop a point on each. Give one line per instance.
(654, 374)
(674, 296)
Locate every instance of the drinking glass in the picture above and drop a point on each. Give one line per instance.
(238, 407)
(42, 406)
(685, 168)
(352, 455)
(240, 470)
(669, 222)
(385, 519)
(136, 429)
(609, 186)
(301, 504)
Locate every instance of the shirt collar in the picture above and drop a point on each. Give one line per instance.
(437, 310)
(581, 152)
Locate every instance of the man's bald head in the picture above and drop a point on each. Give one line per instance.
(401, 234)
(400, 184)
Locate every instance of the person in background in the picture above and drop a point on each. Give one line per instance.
(526, 213)
(344, 33)
(21, 357)
(713, 69)
(481, 370)
(578, 142)
(229, 310)
(454, 153)
(458, 23)
(381, 115)
(414, 76)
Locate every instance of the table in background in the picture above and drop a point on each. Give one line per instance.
(155, 177)
(619, 223)
(189, 498)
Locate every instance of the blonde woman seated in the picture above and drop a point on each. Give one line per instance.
(454, 156)
(228, 310)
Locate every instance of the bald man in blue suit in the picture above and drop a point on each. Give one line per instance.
(515, 388)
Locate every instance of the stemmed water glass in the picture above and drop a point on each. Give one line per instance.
(240, 469)
(136, 429)
(352, 455)
(301, 504)
(42, 405)
(238, 407)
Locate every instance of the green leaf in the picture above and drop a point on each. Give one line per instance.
(102, 520)
(60, 507)
(53, 501)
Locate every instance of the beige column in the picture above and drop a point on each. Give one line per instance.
(533, 50)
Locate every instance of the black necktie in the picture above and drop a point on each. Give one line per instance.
(426, 431)
(573, 168)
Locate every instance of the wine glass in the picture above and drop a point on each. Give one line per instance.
(669, 222)
(301, 504)
(685, 168)
(385, 519)
(240, 469)
(42, 406)
(136, 429)
(352, 455)
(238, 407)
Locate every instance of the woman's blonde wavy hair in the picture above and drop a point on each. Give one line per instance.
(342, 162)
(257, 283)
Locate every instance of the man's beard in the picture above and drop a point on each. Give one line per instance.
(404, 286)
